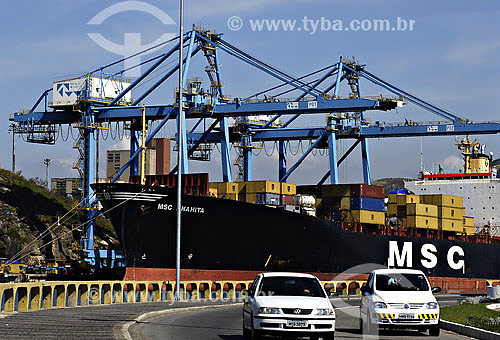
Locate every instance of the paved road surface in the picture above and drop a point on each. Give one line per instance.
(225, 324)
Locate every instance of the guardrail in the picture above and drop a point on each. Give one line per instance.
(18, 297)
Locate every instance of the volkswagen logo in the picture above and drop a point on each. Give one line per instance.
(297, 311)
(406, 306)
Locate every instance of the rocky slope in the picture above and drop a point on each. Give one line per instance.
(35, 224)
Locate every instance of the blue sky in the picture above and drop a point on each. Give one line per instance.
(450, 59)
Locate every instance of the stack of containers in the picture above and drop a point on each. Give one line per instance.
(227, 190)
(451, 211)
(260, 192)
(396, 206)
(469, 225)
(288, 191)
(328, 198)
(365, 204)
(421, 216)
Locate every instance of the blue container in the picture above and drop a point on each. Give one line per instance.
(367, 203)
(268, 199)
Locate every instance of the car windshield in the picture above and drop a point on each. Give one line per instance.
(401, 282)
(291, 286)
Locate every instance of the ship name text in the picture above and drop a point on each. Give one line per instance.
(184, 208)
(455, 257)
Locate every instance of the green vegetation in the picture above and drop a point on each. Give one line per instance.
(475, 315)
(27, 209)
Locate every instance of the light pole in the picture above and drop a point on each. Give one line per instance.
(47, 161)
(179, 158)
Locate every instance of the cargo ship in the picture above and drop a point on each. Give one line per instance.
(234, 230)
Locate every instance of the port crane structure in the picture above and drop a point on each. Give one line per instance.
(91, 109)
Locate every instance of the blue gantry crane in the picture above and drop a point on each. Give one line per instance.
(98, 98)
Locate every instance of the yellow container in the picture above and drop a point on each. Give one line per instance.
(392, 198)
(468, 222)
(212, 192)
(451, 213)
(265, 187)
(446, 224)
(421, 209)
(392, 209)
(335, 190)
(250, 198)
(422, 222)
(345, 203)
(225, 187)
(469, 230)
(233, 197)
(427, 199)
(448, 201)
(402, 222)
(404, 199)
(365, 216)
(288, 189)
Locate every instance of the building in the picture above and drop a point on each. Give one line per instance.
(157, 160)
(66, 186)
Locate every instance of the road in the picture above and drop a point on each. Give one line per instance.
(225, 324)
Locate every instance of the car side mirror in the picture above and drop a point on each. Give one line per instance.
(436, 290)
(364, 290)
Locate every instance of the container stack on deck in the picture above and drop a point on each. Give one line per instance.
(430, 212)
(350, 203)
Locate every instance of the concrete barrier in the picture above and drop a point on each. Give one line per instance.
(58, 294)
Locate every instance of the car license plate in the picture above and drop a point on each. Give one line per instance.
(296, 323)
(406, 315)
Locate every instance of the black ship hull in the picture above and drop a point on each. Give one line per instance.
(220, 234)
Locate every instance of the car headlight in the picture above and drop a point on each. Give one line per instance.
(432, 305)
(269, 310)
(379, 304)
(324, 311)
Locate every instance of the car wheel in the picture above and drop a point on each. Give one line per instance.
(434, 330)
(246, 332)
(254, 334)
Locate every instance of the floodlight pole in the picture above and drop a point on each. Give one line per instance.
(179, 157)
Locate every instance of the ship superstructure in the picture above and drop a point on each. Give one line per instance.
(477, 183)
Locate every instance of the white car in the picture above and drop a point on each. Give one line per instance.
(399, 298)
(289, 304)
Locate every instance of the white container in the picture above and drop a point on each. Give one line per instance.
(304, 200)
(68, 92)
(493, 292)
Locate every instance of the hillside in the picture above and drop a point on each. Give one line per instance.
(390, 184)
(28, 211)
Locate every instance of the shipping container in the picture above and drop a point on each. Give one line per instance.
(422, 222)
(329, 203)
(249, 197)
(269, 187)
(212, 192)
(225, 187)
(451, 213)
(304, 200)
(468, 221)
(451, 225)
(365, 190)
(233, 197)
(287, 200)
(392, 198)
(448, 201)
(392, 209)
(422, 209)
(345, 203)
(314, 190)
(404, 199)
(288, 189)
(469, 230)
(335, 190)
(267, 199)
(366, 203)
(364, 217)
(402, 222)
(401, 211)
